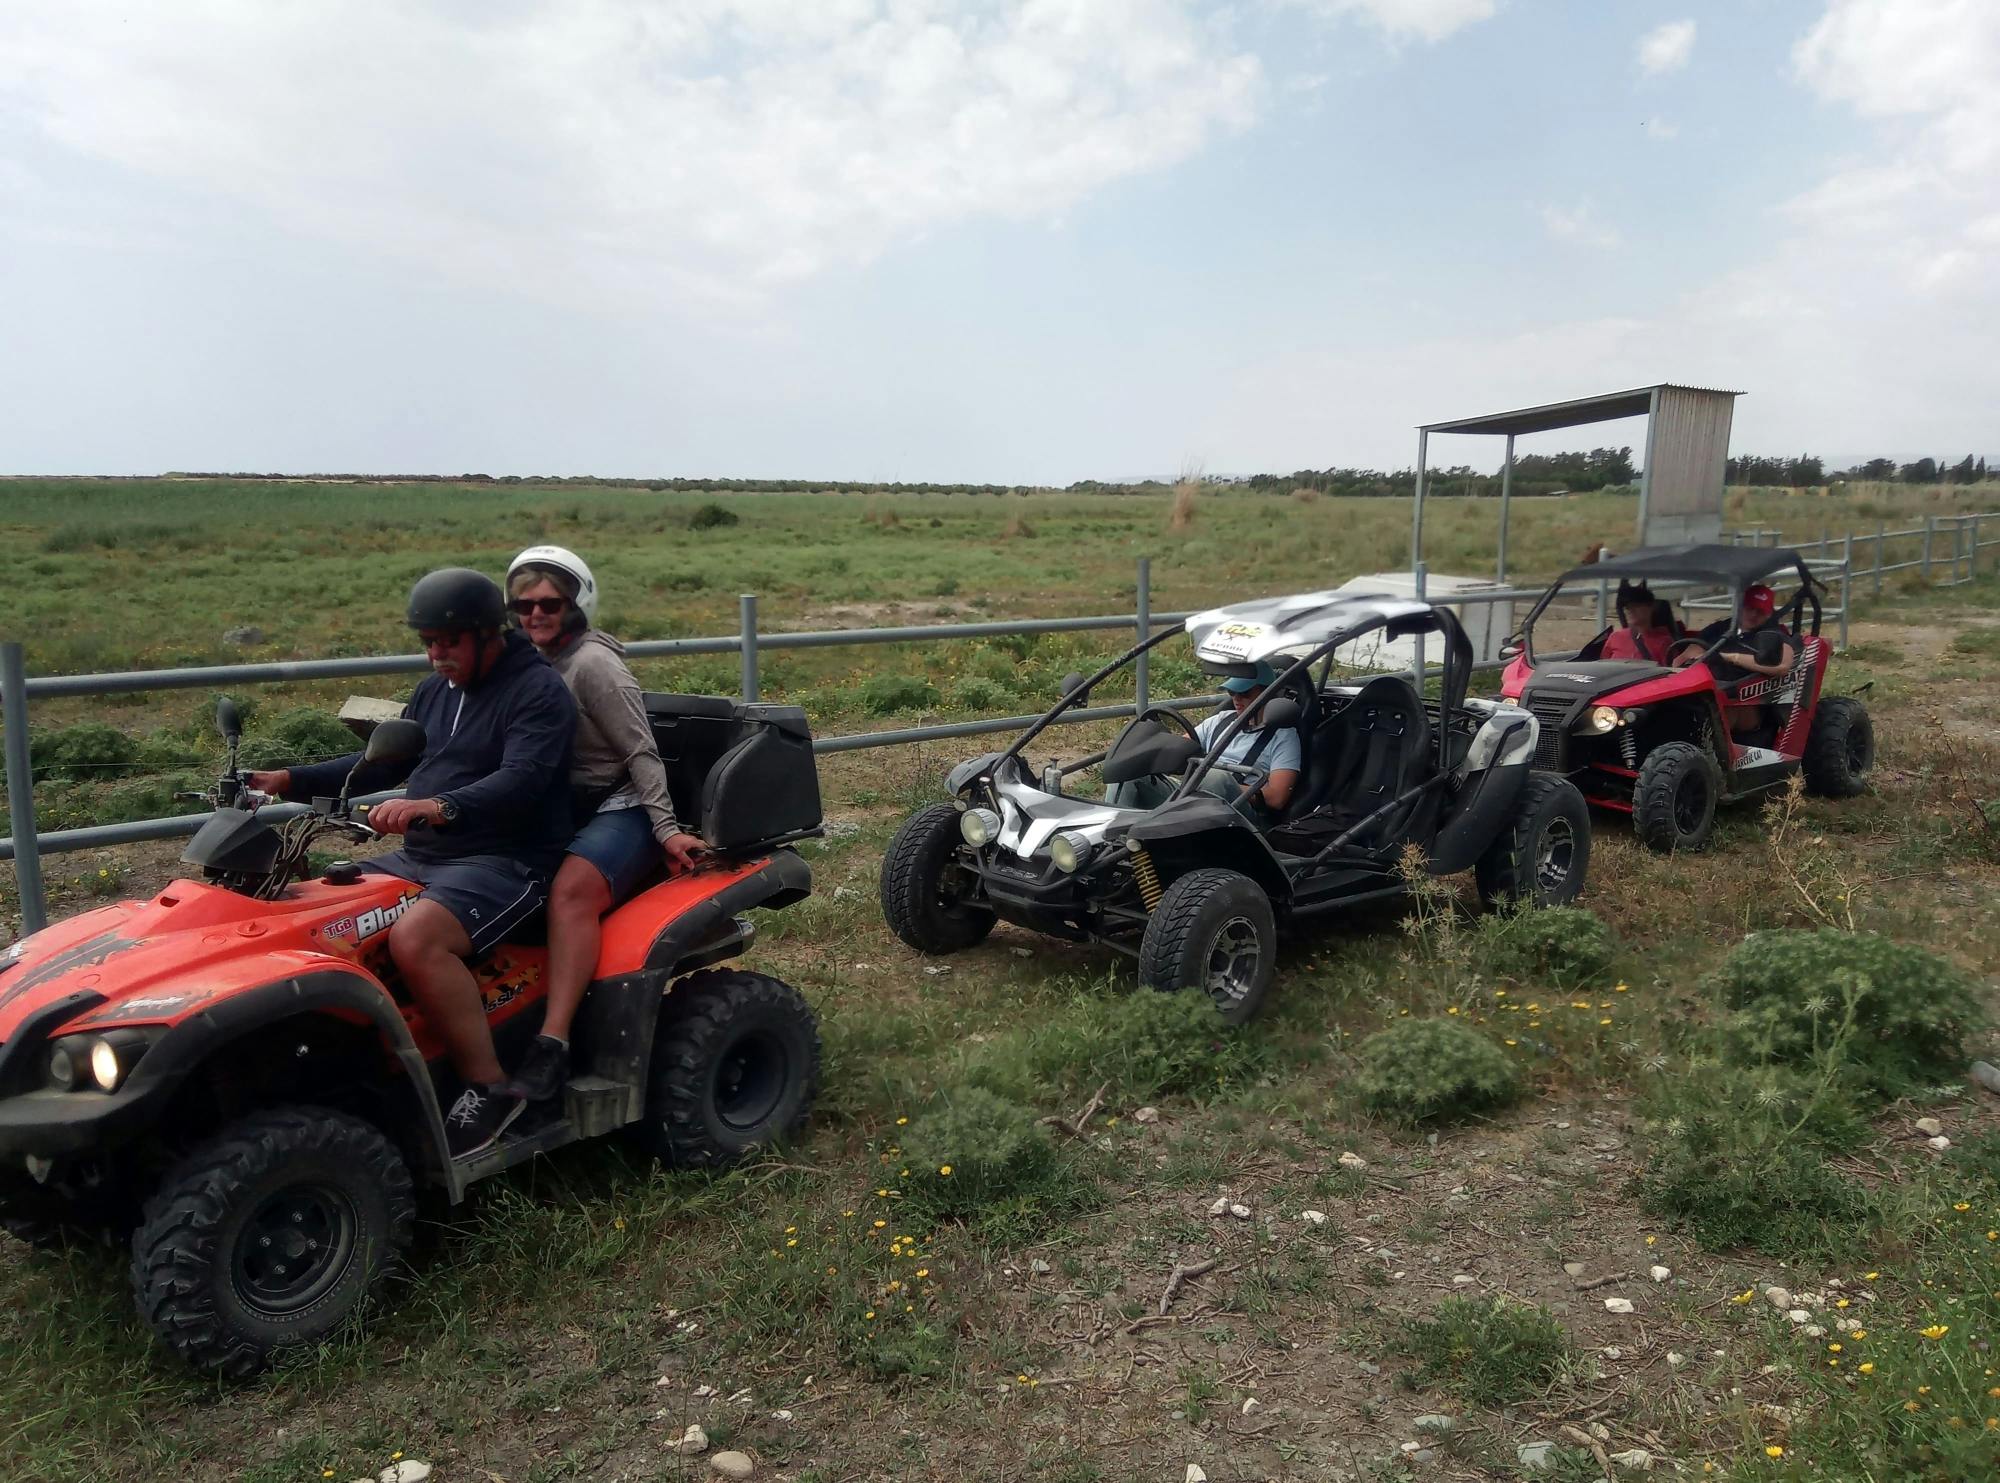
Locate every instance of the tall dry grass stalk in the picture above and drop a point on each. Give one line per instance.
(1187, 489)
(1016, 529)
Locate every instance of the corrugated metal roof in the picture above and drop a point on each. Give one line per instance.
(1574, 413)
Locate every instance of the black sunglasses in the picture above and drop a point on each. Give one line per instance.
(547, 606)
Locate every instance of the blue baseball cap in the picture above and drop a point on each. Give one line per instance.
(1244, 684)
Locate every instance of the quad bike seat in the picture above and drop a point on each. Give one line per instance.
(1375, 748)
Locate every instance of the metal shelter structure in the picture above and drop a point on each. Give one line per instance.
(1680, 484)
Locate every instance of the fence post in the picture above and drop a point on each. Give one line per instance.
(1422, 575)
(1881, 535)
(1846, 584)
(1930, 531)
(1141, 690)
(747, 605)
(1603, 602)
(21, 790)
(1972, 552)
(1825, 536)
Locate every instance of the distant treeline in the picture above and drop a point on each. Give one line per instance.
(1804, 473)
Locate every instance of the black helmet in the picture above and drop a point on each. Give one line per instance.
(456, 598)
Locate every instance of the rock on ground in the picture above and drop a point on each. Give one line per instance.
(409, 1470)
(732, 1464)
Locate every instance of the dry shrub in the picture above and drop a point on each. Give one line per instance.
(1016, 528)
(1182, 514)
(1305, 494)
(881, 516)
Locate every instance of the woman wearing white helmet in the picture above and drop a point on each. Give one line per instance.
(618, 792)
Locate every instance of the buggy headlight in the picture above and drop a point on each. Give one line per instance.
(1069, 850)
(62, 1068)
(1598, 720)
(105, 1067)
(979, 826)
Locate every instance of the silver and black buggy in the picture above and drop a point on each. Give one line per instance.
(1197, 887)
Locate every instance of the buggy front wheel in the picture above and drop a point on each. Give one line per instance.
(1214, 931)
(927, 896)
(1542, 853)
(1840, 748)
(1675, 798)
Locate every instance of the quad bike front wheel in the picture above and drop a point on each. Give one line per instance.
(271, 1235)
(1840, 748)
(735, 1068)
(1675, 798)
(1213, 931)
(1542, 852)
(926, 895)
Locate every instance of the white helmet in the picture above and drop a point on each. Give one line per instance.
(570, 565)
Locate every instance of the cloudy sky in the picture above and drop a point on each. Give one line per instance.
(1011, 240)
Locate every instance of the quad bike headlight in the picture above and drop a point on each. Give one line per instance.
(63, 1068)
(1069, 850)
(1598, 720)
(979, 826)
(80, 1062)
(106, 1068)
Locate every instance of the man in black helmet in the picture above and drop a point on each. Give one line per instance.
(485, 820)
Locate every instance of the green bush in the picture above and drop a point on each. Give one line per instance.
(1896, 1017)
(712, 516)
(1421, 1069)
(884, 695)
(89, 752)
(976, 1150)
(1143, 1044)
(299, 735)
(1739, 1157)
(1494, 1351)
(981, 696)
(1564, 945)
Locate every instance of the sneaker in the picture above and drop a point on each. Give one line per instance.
(478, 1118)
(543, 1070)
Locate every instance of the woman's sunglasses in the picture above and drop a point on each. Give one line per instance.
(548, 607)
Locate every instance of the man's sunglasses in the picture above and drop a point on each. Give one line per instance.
(548, 607)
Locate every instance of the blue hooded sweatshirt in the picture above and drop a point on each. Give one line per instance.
(498, 749)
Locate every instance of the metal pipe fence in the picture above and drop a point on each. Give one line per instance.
(25, 846)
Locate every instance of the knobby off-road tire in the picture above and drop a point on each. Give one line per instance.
(1840, 748)
(735, 1068)
(1213, 931)
(919, 901)
(1542, 852)
(272, 1234)
(1675, 798)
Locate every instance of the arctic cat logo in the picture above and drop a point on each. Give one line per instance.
(380, 918)
(1574, 679)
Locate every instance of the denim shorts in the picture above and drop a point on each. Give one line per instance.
(621, 845)
(489, 895)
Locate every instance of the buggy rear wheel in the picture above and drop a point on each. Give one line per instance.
(271, 1235)
(1674, 800)
(1542, 853)
(1840, 748)
(735, 1068)
(926, 895)
(1214, 931)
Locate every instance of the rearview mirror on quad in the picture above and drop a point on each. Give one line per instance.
(1072, 682)
(228, 720)
(395, 741)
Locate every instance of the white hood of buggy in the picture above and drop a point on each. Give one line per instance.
(1029, 816)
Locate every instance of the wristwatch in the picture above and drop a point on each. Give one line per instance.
(447, 811)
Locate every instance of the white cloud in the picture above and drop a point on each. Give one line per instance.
(1666, 48)
(1421, 20)
(597, 149)
(1579, 224)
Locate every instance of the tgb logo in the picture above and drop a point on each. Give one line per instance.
(380, 918)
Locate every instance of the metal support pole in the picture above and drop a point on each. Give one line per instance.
(1825, 537)
(1881, 535)
(1846, 584)
(1603, 602)
(747, 604)
(1417, 665)
(1930, 533)
(1417, 504)
(1506, 493)
(1972, 552)
(21, 790)
(1141, 691)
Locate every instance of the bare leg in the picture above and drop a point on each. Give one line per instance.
(430, 948)
(577, 903)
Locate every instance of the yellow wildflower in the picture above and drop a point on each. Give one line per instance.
(1774, 1451)
(945, 1170)
(1936, 1331)
(1868, 1369)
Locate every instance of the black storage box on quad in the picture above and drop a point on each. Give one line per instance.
(742, 774)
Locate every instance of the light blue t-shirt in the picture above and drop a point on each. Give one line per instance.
(1282, 755)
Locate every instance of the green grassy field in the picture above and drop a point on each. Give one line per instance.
(573, 1319)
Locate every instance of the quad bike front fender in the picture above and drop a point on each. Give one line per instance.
(42, 1120)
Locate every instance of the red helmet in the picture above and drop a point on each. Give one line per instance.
(1760, 600)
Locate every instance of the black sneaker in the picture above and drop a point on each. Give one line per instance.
(478, 1118)
(543, 1070)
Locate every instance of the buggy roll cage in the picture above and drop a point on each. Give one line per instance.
(1692, 565)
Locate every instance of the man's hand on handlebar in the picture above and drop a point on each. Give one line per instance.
(276, 782)
(397, 815)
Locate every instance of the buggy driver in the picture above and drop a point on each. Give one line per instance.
(486, 819)
(1275, 749)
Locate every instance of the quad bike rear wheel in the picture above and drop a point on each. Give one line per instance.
(1840, 748)
(271, 1235)
(1675, 798)
(1214, 931)
(735, 1068)
(926, 895)
(1542, 852)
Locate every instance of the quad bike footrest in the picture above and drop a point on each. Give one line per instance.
(592, 1107)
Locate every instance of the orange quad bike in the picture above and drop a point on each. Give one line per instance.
(231, 1075)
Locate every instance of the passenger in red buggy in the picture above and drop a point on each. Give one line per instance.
(1647, 630)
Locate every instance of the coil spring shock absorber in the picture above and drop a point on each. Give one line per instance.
(1628, 747)
(1148, 876)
